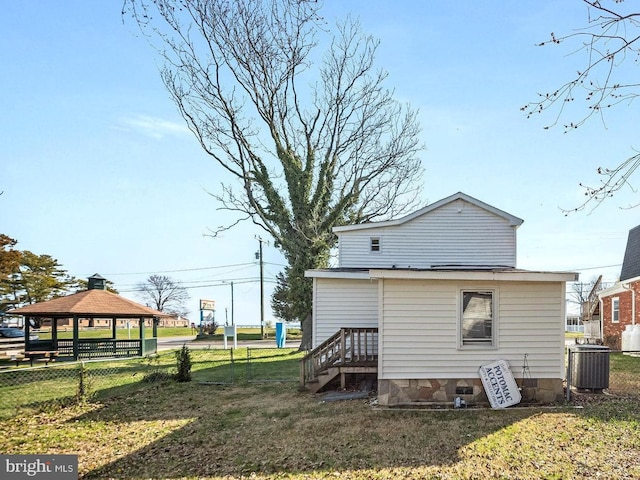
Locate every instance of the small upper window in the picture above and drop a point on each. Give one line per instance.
(375, 244)
(615, 310)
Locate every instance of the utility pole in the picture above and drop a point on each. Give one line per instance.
(232, 320)
(230, 282)
(259, 257)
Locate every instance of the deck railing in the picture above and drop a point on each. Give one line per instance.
(348, 346)
(592, 330)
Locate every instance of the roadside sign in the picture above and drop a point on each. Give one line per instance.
(207, 304)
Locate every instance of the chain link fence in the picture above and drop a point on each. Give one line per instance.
(63, 383)
(215, 366)
(597, 369)
(273, 365)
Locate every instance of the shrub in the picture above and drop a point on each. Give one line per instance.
(183, 359)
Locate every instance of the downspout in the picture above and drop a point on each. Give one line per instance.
(633, 305)
(628, 287)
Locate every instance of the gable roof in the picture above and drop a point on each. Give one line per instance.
(513, 220)
(631, 262)
(90, 303)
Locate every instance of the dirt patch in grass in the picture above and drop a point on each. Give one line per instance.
(272, 431)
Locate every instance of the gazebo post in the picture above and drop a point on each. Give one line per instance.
(113, 328)
(27, 333)
(54, 333)
(142, 349)
(76, 336)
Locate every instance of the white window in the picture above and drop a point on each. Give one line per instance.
(477, 322)
(615, 310)
(375, 244)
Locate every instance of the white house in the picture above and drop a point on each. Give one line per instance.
(432, 297)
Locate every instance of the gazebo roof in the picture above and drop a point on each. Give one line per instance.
(87, 304)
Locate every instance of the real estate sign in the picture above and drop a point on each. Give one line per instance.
(500, 386)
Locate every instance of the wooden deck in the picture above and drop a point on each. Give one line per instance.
(350, 350)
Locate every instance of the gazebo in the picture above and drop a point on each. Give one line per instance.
(94, 303)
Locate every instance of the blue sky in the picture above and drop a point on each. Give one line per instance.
(99, 171)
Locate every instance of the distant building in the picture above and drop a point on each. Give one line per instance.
(573, 324)
(619, 303)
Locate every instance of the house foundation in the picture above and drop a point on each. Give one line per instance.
(416, 391)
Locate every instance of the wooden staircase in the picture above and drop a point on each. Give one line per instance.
(350, 350)
(592, 302)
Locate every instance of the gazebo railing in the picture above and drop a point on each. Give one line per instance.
(39, 345)
(101, 348)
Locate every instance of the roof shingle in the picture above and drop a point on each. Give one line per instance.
(631, 262)
(90, 303)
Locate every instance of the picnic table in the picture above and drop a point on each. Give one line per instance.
(41, 355)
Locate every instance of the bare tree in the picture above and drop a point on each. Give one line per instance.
(164, 294)
(608, 43)
(308, 141)
(585, 295)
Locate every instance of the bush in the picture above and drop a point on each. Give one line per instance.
(183, 359)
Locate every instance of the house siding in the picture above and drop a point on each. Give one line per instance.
(341, 303)
(457, 233)
(419, 331)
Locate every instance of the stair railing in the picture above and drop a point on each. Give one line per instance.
(593, 296)
(346, 346)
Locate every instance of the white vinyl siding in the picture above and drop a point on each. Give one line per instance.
(457, 233)
(419, 334)
(341, 303)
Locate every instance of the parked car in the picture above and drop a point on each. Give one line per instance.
(12, 332)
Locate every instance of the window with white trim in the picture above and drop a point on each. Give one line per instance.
(615, 310)
(477, 322)
(375, 244)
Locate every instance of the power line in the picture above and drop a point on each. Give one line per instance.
(178, 270)
(191, 283)
(236, 282)
(595, 268)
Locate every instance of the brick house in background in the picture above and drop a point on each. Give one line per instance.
(619, 304)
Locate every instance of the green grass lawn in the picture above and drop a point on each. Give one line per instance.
(569, 335)
(252, 333)
(139, 430)
(271, 431)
